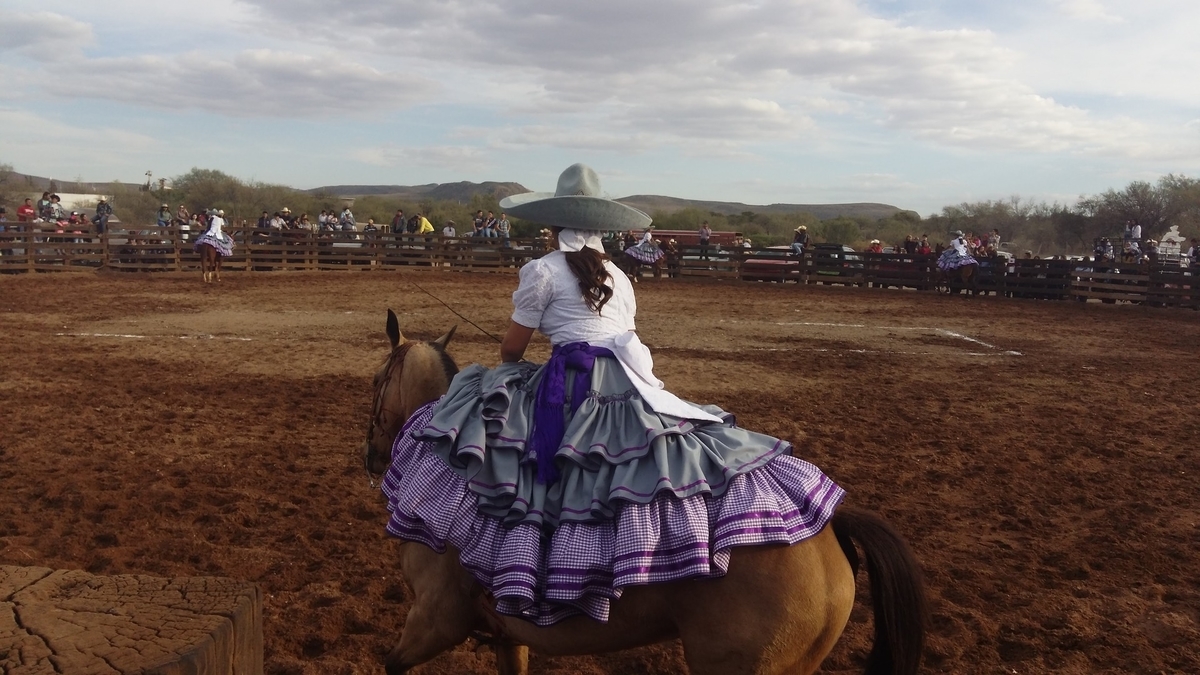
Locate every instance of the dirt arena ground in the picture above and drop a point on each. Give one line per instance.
(1040, 457)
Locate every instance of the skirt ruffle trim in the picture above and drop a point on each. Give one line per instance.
(951, 260)
(616, 449)
(649, 257)
(581, 567)
(223, 246)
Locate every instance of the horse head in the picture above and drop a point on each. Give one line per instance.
(414, 374)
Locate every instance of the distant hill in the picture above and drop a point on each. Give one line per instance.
(28, 183)
(652, 203)
(461, 192)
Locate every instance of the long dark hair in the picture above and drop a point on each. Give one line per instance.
(587, 264)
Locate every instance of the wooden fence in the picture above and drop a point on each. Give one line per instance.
(34, 248)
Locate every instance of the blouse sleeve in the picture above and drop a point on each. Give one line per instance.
(533, 294)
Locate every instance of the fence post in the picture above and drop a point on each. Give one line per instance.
(30, 255)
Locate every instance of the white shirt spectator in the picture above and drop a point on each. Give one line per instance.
(449, 231)
(1137, 232)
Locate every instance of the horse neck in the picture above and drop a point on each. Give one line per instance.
(422, 379)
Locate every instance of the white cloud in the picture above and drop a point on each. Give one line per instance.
(254, 83)
(31, 140)
(462, 158)
(42, 35)
(711, 72)
(1091, 10)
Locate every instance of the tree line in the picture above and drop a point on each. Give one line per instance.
(1045, 229)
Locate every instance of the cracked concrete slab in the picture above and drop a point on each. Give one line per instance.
(75, 623)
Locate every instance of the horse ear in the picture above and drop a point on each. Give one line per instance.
(393, 329)
(445, 339)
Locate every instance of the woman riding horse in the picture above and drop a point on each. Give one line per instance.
(957, 255)
(625, 445)
(564, 487)
(646, 251)
(212, 246)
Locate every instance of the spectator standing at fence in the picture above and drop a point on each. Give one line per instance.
(104, 211)
(264, 221)
(477, 224)
(448, 230)
(993, 239)
(423, 225)
(503, 228)
(875, 247)
(1194, 252)
(346, 219)
(1136, 231)
(1128, 230)
(704, 234)
(163, 217)
(25, 212)
(57, 212)
(489, 226)
(182, 216)
(43, 206)
(276, 223)
(398, 222)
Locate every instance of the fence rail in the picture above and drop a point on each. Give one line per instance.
(42, 248)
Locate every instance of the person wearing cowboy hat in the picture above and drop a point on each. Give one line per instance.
(163, 218)
(559, 456)
(875, 247)
(645, 251)
(957, 255)
(103, 212)
(799, 240)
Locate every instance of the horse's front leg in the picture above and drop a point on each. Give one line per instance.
(511, 659)
(442, 614)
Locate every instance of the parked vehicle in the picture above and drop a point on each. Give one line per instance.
(836, 260)
(774, 263)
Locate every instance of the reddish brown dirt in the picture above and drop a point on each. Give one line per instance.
(1051, 495)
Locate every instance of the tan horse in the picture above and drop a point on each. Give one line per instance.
(210, 263)
(780, 609)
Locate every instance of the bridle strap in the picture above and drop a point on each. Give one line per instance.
(392, 371)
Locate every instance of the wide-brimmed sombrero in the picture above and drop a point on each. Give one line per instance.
(576, 204)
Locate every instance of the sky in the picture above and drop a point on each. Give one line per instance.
(920, 104)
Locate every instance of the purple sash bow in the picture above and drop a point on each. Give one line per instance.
(549, 421)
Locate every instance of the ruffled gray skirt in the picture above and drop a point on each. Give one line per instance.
(616, 449)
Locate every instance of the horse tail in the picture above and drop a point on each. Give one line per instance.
(897, 590)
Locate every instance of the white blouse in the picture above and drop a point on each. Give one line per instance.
(548, 298)
(214, 227)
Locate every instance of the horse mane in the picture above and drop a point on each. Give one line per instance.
(425, 373)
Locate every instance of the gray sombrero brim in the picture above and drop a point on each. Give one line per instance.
(575, 211)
